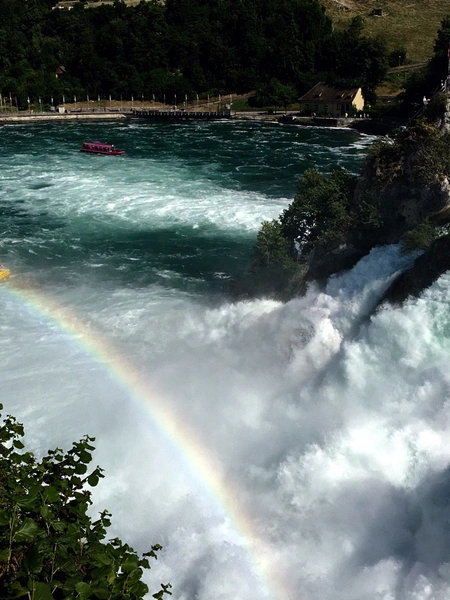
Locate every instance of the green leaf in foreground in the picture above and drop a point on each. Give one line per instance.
(49, 546)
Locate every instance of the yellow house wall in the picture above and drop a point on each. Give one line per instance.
(358, 102)
(333, 111)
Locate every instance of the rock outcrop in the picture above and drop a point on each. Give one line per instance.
(402, 196)
(426, 269)
(322, 262)
(407, 182)
(406, 195)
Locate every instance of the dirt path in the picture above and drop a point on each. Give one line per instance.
(346, 4)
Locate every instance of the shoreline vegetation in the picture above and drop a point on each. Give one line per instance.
(204, 51)
(179, 50)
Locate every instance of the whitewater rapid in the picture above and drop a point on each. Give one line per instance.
(275, 451)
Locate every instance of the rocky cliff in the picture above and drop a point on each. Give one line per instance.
(410, 179)
(426, 269)
(406, 182)
(402, 196)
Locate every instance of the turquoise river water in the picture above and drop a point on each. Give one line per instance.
(276, 451)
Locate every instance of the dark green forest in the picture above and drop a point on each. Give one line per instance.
(180, 47)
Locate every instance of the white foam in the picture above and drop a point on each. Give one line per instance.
(330, 423)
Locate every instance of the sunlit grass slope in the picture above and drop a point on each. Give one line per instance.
(412, 24)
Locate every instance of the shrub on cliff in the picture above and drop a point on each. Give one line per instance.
(402, 196)
(50, 548)
(275, 269)
(320, 216)
(272, 247)
(423, 236)
(321, 211)
(422, 152)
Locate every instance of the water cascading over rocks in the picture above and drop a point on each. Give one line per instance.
(406, 182)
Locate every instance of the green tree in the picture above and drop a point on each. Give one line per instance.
(50, 549)
(201, 46)
(275, 94)
(428, 82)
(275, 270)
(272, 248)
(321, 211)
(355, 59)
(321, 217)
(295, 31)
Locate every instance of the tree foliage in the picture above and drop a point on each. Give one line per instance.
(275, 270)
(321, 216)
(272, 248)
(275, 94)
(321, 211)
(178, 47)
(356, 59)
(50, 548)
(429, 81)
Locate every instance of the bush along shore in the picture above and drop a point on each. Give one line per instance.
(402, 196)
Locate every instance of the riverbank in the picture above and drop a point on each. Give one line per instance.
(366, 125)
(53, 116)
(114, 114)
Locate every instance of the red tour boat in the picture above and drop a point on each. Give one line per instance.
(100, 148)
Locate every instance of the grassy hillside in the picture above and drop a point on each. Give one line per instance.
(412, 24)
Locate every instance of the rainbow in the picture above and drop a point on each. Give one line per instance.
(199, 459)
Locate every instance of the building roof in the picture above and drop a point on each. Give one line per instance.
(324, 92)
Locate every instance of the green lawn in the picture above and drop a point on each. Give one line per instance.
(412, 24)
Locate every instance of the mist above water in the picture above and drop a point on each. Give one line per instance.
(318, 463)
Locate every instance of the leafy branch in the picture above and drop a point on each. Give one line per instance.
(50, 548)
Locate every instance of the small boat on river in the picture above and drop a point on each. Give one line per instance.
(101, 148)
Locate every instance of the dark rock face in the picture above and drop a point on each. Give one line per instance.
(405, 187)
(424, 272)
(322, 264)
(404, 201)
(402, 206)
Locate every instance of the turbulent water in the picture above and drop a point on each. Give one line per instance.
(277, 451)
